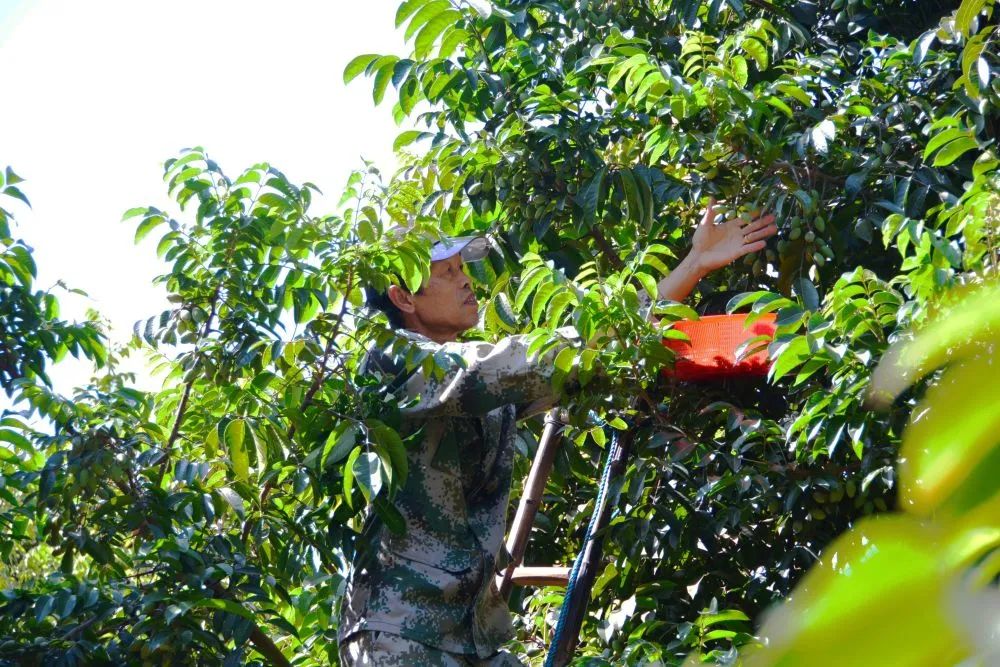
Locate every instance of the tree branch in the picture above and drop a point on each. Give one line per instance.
(606, 248)
(264, 645)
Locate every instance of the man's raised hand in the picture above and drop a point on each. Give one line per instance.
(718, 244)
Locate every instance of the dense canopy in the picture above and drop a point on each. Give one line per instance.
(213, 521)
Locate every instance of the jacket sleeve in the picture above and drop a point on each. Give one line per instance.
(471, 379)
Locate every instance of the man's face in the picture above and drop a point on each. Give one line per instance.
(446, 305)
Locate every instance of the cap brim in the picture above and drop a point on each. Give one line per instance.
(473, 248)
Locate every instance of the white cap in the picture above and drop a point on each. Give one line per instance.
(473, 248)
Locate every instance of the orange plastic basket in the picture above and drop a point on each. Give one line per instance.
(711, 352)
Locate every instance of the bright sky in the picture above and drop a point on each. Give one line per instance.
(96, 95)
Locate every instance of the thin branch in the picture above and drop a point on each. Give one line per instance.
(186, 396)
(606, 248)
(264, 645)
(318, 377)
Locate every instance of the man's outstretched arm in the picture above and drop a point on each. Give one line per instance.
(714, 246)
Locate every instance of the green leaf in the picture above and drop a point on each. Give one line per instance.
(542, 296)
(739, 70)
(954, 150)
(967, 11)
(889, 568)
(923, 45)
(368, 473)
(807, 291)
(9, 177)
(756, 50)
(505, 312)
(790, 358)
(424, 15)
(228, 606)
(349, 476)
(235, 438)
(67, 603)
(389, 441)
(407, 9)
(17, 440)
(729, 615)
(635, 208)
(43, 607)
(781, 106)
(951, 440)
(430, 32)
(408, 137)
(146, 226)
(746, 299)
(563, 364)
(983, 73)
(649, 284)
(529, 282)
(483, 7)
(134, 212)
(401, 70)
(449, 43)
(358, 65)
(233, 499)
(942, 138)
(390, 516)
(564, 360)
(953, 335)
(587, 199)
(822, 134)
(339, 443)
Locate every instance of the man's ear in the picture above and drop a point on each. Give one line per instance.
(401, 298)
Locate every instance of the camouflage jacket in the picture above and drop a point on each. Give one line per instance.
(435, 584)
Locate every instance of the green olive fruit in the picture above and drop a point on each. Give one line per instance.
(758, 268)
(837, 494)
(795, 234)
(880, 504)
(817, 514)
(820, 224)
(851, 487)
(819, 259)
(810, 236)
(771, 255)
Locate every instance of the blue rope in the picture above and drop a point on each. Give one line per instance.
(602, 493)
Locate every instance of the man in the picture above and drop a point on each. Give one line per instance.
(429, 597)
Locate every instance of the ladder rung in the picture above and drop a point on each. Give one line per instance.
(540, 576)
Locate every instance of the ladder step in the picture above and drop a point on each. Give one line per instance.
(540, 576)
